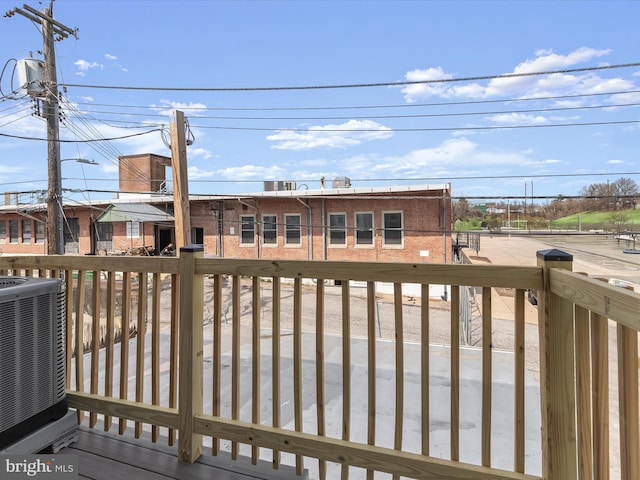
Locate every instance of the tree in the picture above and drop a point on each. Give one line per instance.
(461, 209)
(619, 220)
(626, 193)
(610, 196)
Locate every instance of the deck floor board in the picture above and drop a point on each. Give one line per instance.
(105, 456)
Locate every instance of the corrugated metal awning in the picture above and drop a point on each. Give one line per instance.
(134, 212)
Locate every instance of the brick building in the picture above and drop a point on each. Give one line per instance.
(390, 224)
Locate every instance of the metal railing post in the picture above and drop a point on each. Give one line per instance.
(557, 378)
(190, 389)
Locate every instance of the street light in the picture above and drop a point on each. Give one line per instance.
(80, 160)
(59, 224)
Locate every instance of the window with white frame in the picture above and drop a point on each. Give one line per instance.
(337, 229)
(292, 232)
(133, 229)
(392, 229)
(247, 230)
(269, 229)
(364, 229)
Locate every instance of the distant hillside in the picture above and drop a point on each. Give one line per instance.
(620, 220)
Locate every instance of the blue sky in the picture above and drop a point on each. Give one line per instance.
(573, 128)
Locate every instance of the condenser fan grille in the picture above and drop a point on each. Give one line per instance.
(6, 282)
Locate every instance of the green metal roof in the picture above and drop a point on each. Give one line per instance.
(134, 212)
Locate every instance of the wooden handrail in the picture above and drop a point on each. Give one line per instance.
(575, 340)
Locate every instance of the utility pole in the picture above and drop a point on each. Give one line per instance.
(55, 209)
(181, 207)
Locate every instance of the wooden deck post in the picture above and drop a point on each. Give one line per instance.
(557, 380)
(190, 390)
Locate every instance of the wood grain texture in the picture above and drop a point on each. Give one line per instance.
(557, 372)
(339, 451)
(477, 275)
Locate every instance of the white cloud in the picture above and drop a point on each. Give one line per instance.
(196, 173)
(615, 162)
(166, 107)
(110, 57)
(350, 133)
(518, 119)
(452, 158)
(6, 169)
(251, 172)
(201, 153)
(84, 65)
(530, 86)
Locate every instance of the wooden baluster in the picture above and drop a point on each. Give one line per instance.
(173, 350)
(583, 392)
(487, 382)
(124, 344)
(371, 368)
(79, 347)
(156, 291)
(519, 375)
(320, 413)
(140, 341)
(109, 342)
(424, 368)
(217, 355)
(95, 341)
(255, 361)
(399, 333)
(275, 363)
(346, 369)
(235, 360)
(455, 373)
(297, 364)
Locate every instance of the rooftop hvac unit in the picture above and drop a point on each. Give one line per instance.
(272, 186)
(341, 182)
(278, 185)
(32, 355)
(31, 76)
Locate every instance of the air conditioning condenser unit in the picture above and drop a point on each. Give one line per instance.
(32, 355)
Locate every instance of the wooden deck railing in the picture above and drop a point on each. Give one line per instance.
(268, 356)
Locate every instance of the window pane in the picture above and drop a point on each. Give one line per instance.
(247, 230)
(26, 231)
(393, 228)
(269, 229)
(292, 232)
(39, 232)
(133, 229)
(364, 229)
(197, 235)
(13, 231)
(104, 231)
(337, 229)
(3, 231)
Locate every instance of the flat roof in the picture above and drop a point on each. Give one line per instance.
(151, 198)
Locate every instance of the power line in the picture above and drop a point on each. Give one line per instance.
(418, 115)
(356, 107)
(354, 85)
(22, 137)
(417, 129)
